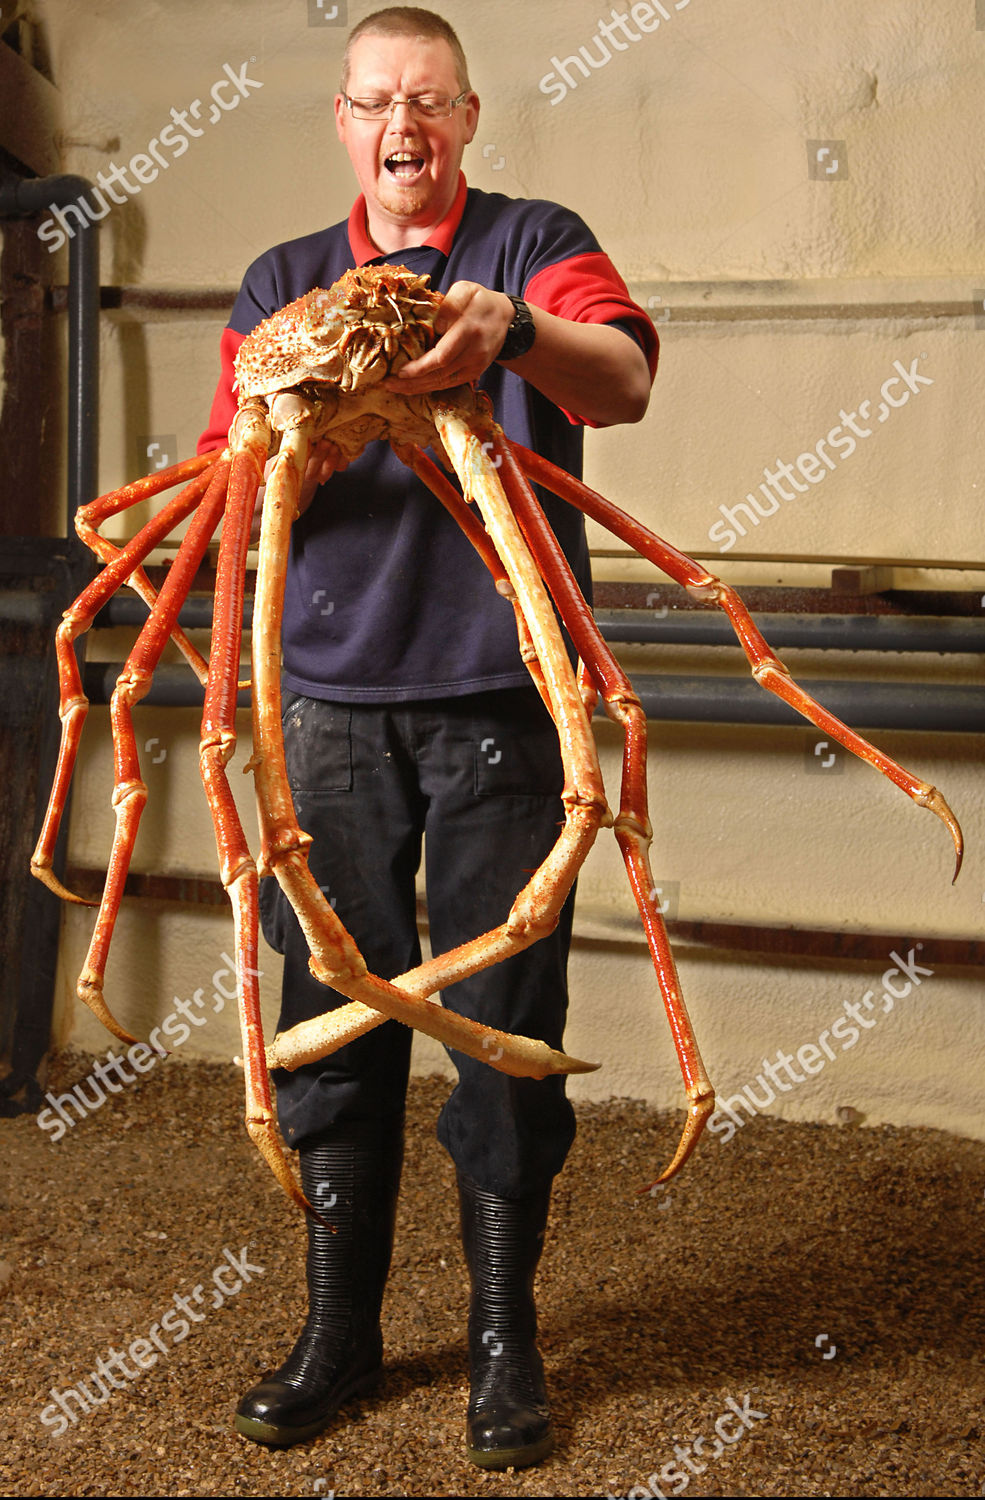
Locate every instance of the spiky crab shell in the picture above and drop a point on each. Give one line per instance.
(372, 321)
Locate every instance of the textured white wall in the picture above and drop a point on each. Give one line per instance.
(687, 152)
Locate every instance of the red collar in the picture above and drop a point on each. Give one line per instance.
(440, 238)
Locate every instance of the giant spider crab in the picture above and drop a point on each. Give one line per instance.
(313, 369)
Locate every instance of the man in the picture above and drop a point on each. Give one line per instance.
(407, 711)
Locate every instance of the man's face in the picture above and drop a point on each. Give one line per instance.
(407, 168)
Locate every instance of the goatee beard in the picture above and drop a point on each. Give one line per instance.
(402, 202)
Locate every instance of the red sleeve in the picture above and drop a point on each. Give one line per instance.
(588, 289)
(224, 404)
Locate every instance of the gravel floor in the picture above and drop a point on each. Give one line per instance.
(828, 1281)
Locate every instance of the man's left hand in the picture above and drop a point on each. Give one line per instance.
(471, 323)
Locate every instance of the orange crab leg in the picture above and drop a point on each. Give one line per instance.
(73, 704)
(537, 908)
(249, 444)
(455, 505)
(336, 959)
(767, 668)
(632, 826)
(89, 517)
(312, 1040)
(129, 790)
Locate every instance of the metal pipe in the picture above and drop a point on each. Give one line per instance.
(21, 197)
(22, 607)
(196, 613)
(688, 628)
(870, 705)
(810, 632)
(173, 686)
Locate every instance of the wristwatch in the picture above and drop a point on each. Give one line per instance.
(521, 333)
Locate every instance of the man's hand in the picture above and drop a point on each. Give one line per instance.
(471, 324)
(597, 372)
(324, 459)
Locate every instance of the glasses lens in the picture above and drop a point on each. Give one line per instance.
(427, 107)
(431, 106)
(370, 109)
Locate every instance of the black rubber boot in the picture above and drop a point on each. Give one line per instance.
(352, 1177)
(509, 1422)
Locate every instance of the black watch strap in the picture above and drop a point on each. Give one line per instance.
(521, 333)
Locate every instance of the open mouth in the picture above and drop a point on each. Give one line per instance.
(404, 166)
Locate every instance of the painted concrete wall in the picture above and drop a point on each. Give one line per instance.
(748, 168)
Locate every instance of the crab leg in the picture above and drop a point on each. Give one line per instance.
(89, 517)
(632, 826)
(249, 445)
(767, 669)
(74, 705)
(336, 960)
(536, 909)
(454, 504)
(129, 790)
(317, 1038)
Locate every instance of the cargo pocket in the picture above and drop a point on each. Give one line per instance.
(318, 748)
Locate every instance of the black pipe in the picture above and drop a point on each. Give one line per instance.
(172, 686)
(21, 197)
(869, 705)
(23, 607)
(812, 632)
(129, 610)
(708, 700)
(688, 628)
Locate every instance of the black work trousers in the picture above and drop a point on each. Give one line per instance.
(479, 779)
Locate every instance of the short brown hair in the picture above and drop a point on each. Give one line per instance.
(407, 20)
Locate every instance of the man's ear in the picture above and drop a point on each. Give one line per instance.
(471, 107)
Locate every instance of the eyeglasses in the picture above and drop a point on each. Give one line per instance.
(426, 107)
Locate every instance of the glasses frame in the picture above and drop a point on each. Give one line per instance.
(411, 103)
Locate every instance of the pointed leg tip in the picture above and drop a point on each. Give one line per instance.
(958, 850)
(314, 1214)
(47, 877)
(547, 1062)
(264, 1138)
(91, 994)
(698, 1114)
(937, 804)
(523, 1057)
